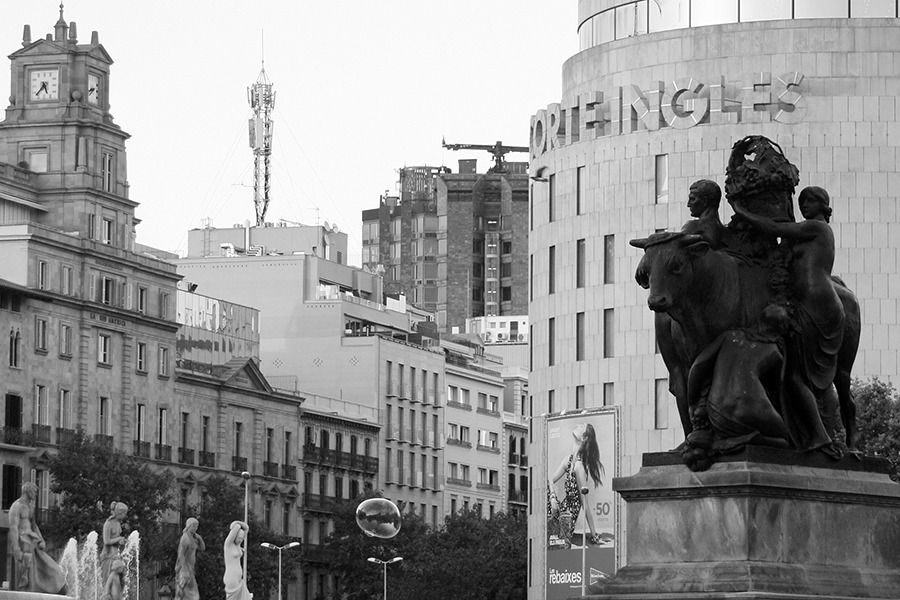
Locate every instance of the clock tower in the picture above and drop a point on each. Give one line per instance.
(58, 126)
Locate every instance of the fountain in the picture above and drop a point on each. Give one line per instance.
(82, 569)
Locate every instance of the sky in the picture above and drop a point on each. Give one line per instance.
(362, 88)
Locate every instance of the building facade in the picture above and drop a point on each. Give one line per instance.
(653, 101)
(454, 243)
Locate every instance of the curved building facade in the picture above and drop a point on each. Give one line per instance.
(653, 101)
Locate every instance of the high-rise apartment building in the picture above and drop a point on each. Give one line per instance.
(454, 243)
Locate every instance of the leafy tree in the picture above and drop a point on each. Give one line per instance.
(222, 504)
(878, 420)
(89, 476)
(469, 557)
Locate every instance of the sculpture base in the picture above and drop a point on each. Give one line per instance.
(760, 524)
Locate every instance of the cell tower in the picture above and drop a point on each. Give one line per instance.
(262, 101)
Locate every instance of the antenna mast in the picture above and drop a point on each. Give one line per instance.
(262, 101)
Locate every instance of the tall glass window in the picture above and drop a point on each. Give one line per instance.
(609, 258)
(662, 178)
(765, 10)
(579, 263)
(714, 12)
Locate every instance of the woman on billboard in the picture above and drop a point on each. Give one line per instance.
(582, 472)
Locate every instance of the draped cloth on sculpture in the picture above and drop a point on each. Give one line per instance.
(237, 591)
(185, 579)
(45, 575)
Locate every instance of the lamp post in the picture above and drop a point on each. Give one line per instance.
(246, 477)
(385, 563)
(279, 548)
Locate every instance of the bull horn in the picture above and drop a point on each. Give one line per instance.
(639, 242)
(689, 239)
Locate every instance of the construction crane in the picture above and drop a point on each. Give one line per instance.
(498, 150)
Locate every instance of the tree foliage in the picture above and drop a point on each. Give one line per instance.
(89, 476)
(468, 557)
(878, 420)
(222, 504)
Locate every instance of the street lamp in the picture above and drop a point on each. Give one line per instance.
(279, 548)
(385, 563)
(246, 476)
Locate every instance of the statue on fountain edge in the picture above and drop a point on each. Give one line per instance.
(35, 570)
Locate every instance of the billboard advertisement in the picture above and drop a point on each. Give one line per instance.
(582, 515)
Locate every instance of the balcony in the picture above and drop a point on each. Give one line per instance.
(270, 469)
(163, 452)
(239, 463)
(459, 482)
(46, 517)
(15, 436)
(142, 449)
(64, 436)
(523, 461)
(41, 433)
(104, 440)
(289, 472)
(518, 496)
(513, 459)
(207, 459)
(454, 404)
(492, 449)
(186, 456)
(487, 411)
(317, 502)
(458, 442)
(493, 487)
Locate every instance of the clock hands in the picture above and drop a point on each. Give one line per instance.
(43, 88)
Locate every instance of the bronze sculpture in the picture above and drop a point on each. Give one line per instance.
(759, 337)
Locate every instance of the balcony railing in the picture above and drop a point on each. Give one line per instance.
(104, 440)
(336, 458)
(523, 460)
(142, 449)
(485, 448)
(520, 496)
(41, 433)
(487, 411)
(163, 452)
(458, 442)
(207, 459)
(239, 463)
(455, 404)
(46, 517)
(289, 472)
(488, 486)
(64, 436)
(456, 481)
(513, 459)
(16, 436)
(270, 469)
(317, 501)
(186, 456)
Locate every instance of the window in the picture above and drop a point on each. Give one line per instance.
(608, 394)
(40, 334)
(163, 361)
(579, 263)
(92, 226)
(551, 270)
(551, 198)
(41, 405)
(103, 416)
(609, 322)
(580, 189)
(286, 456)
(661, 404)
(43, 275)
(107, 165)
(464, 434)
(270, 444)
(142, 299)
(66, 282)
(238, 434)
(579, 336)
(104, 348)
(662, 178)
(550, 399)
(579, 397)
(141, 429)
(531, 277)
(551, 341)
(286, 518)
(65, 409)
(14, 342)
(185, 429)
(65, 339)
(162, 427)
(106, 231)
(141, 358)
(163, 305)
(204, 434)
(452, 431)
(609, 258)
(107, 290)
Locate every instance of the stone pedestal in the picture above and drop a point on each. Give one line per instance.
(761, 524)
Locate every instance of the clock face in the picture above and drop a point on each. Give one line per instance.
(45, 84)
(93, 92)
